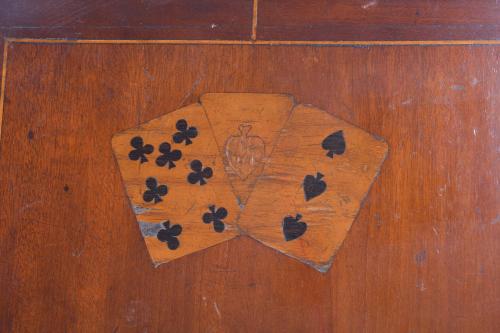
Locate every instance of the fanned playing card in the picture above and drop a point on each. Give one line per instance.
(246, 127)
(175, 179)
(291, 177)
(311, 190)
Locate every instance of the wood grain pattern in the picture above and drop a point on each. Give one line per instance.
(422, 255)
(249, 20)
(377, 20)
(151, 19)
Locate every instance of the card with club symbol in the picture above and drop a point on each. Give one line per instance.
(175, 179)
(292, 177)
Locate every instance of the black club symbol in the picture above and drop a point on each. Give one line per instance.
(215, 216)
(199, 173)
(140, 150)
(185, 133)
(169, 234)
(169, 156)
(154, 191)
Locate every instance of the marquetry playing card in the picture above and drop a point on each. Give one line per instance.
(246, 127)
(175, 179)
(311, 189)
(291, 177)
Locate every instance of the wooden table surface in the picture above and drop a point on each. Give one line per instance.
(423, 254)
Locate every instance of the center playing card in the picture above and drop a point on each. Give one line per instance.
(246, 126)
(175, 180)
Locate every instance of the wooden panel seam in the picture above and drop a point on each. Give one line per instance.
(255, 42)
(2, 89)
(255, 19)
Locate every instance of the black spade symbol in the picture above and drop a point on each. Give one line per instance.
(313, 186)
(293, 227)
(334, 144)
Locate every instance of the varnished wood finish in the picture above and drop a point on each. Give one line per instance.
(378, 20)
(153, 19)
(421, 257)
(252, 19)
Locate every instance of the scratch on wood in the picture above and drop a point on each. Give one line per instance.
(191, 91)
(370, 4)
(421, 286)
(148, 75)
(77, 253)
(191, 208)
(29, 205)
(149, 229)
(217, 309)
(378, 220)
(140, 210)
(421, 257)
(457, 87)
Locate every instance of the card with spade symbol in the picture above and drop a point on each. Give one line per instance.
(312, 186)
(247, 126)
(175, 179)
